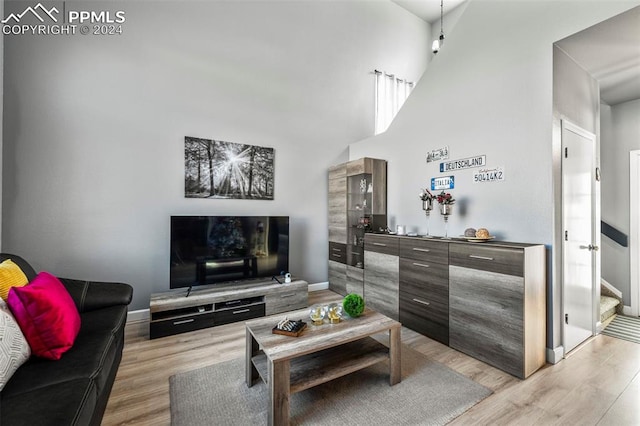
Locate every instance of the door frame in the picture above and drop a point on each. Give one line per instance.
(634, 230)
(595, 229)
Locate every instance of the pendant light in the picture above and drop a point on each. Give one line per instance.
(437, 44)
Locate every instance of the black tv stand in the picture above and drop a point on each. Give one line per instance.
(212, 305)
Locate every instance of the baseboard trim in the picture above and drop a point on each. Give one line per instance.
(606, 284)
(139, 315)
(319, 286)
(555, 355)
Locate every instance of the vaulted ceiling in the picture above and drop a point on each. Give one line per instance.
(610, 52)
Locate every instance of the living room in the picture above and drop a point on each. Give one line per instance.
(94, 129)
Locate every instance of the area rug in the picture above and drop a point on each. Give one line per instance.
(429, 394)
(626, 328)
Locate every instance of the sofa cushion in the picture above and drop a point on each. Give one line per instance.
(14, 349)
(47, 315)
(96, 347)
(67, 403)
(10, 276)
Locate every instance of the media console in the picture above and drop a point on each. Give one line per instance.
(207, 306)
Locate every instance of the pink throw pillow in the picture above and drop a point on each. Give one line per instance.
(46, 314)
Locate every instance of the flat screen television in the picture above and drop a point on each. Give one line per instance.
(215, 249)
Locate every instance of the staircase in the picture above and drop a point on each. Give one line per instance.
(610, 304)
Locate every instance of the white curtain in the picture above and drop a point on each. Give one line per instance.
(390, 94)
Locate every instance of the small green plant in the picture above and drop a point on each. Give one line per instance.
(353, 305)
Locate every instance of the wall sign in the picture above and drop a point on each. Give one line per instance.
(465, 163)
(438, 154)
(495, 174)
(444, 182)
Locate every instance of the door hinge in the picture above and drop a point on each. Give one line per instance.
(566, 318)
(566, 152)
(566, 235)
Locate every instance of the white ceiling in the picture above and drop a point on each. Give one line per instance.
(428, 10)
(610, 51)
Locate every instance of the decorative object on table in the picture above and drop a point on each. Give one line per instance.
(481, 235)
(334, 313)
(427, 205)
(401, 230)
(218, 169)
(353, 305)
(317, 314)
(470, 232)
(446, 202)
(289, 327)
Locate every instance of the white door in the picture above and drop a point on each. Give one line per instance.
(578, 177)
(634, 228)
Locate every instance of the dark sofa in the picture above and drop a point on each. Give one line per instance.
(75, 389)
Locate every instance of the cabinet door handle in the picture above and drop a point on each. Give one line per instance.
(241, 311)
(422, 302)
(379, 244)
(336, 249)
(480, 257)
(422, 265)
(421, 249)
(336, 255)
(287, 295)
(183, 321)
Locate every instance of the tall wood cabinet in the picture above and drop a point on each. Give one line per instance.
(357, 205)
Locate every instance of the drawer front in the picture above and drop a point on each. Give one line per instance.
(381, 244)
(287, 300)
(486, 317)
(425, 250)
(241, 313)
(181, 325)
(337, 252)
(422, 279)
(502, 260)
(431, 320)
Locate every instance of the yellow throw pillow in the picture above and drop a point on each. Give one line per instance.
(10, 276)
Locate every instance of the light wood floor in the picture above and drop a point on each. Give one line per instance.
(597, 384)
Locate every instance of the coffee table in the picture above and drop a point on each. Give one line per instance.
(320, 354)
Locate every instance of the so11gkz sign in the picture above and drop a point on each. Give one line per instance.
(495, 174)
(55, 18)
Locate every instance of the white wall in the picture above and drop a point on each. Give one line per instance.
(620, 134)
(488, 92)
(95, 125)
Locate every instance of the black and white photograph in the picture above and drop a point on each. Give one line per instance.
(220, 169)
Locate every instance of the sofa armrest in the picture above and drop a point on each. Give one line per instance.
(92, 295)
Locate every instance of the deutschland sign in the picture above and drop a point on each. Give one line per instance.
(465, 163)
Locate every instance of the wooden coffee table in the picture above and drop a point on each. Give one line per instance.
(320, 354)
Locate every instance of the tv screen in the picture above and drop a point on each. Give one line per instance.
(214, 249)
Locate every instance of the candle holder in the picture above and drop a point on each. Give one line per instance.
(427, 206)
(446, 210)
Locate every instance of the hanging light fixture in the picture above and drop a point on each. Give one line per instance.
(437, 44)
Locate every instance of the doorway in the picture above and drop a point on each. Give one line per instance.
(580, 243)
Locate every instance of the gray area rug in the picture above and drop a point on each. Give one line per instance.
(429, 394)
(627, 328)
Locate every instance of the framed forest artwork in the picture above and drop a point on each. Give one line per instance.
(219, 169)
